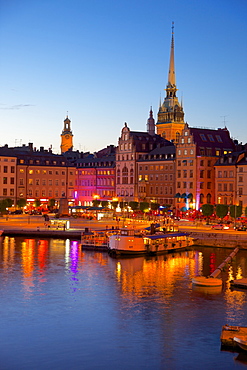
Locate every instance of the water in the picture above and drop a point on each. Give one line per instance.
(63, 308)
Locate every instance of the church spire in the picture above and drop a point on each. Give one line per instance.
(171, 73)
(170, 120)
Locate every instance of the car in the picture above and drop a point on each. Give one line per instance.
(240, 228)
(17, 212)
(220, 227)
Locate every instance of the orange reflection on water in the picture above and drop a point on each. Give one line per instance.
(27, 254)
(143, 277)
(8, 253)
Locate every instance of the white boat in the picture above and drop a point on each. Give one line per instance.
(241, 343)
(130, 242)
(207, 281)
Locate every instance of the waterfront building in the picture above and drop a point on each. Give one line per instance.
(7, 174)
(231, 179)
(156, 175)
(96, 177)
(66, 136)
(170, 122)
(40, 174)
(197, 152)
(132, 145)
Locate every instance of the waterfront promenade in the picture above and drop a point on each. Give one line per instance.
(35, 226)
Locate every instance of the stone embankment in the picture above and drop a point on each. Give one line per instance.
(224, 240)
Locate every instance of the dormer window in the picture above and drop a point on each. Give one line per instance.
(186, 133)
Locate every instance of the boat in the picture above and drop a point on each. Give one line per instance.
(241, 343)
(131, 242)
(239, 283)
(96, 240)
(207, 281)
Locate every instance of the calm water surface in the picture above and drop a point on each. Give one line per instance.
(64, 308)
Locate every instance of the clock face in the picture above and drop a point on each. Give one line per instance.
(66, 136)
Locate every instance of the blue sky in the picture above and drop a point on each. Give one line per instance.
(106, 62)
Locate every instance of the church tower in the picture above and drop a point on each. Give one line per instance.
(170, 122)
(66, 137)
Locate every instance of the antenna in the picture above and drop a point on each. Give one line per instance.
(224, 119)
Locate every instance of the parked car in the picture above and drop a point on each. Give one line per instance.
(17, 212)
(220, 227)
(240, 228)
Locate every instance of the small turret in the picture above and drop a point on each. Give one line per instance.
(151, 123)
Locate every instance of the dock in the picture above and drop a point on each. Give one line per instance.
(229, 332)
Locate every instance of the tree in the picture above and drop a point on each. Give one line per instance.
(123, 205)
(221, 210)
(155, 206)
(114, 205)
(134, 205)
(21, 202)
(144, 206)
(104, 203)
(235, 211)
(3, 206)
(207, 210)
(96, 202)
(245, 211)
(37, 203)
(51, 203)
(9, 202)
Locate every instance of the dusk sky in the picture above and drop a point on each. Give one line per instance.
(106, 62)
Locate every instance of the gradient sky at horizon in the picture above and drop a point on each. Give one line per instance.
(106, 63)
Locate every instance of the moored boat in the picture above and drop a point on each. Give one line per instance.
(241, 343)
(130, 242)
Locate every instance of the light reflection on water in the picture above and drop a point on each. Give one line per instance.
(62, 307)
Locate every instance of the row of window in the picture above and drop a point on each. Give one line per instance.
(158, 190)
(11, 180)
(156, 167)
(7, 169)
(37, 161)
(44, 172)
(44, 182)
(157, 177)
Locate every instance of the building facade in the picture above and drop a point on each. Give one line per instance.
(197, 152)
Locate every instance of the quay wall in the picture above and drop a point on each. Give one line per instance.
(220, 240)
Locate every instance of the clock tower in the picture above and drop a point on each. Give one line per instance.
(66, 137)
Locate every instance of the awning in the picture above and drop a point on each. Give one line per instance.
(163, 236)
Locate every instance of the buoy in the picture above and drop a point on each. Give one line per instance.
(206, 281)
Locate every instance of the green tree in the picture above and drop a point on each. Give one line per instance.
(155, 206)
(3, 206)
(105, 203)
(9, 202)
(207, 210)
(235, 211)
(114, 205)
(37, 203)
(123, 205)
(51, 203)
(134, 205)
(96, 202)
(144, 206)
(21, 202)
(221, 210)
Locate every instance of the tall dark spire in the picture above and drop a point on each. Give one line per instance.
(171, 73)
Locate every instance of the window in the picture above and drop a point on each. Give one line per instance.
(202, 162)
(12, 169)
(202, 151)
(201, 185)
(179, 163)
(240, 179)
(191, 173)
(5, 180)
(203, 137)
(21, 181)
(30, 181)
(30, 172)
(217, 152)
(225, 174)
(37, 182)
(225, 187)
(209, 185)
(12, 180)
(21, 170)
(179, 152)
(125, 175)
(220, 187)
(12, 192)
(191, 151)
(185, 152)
(189, 140)
(201, 174)
(179, 173)
(4, 191)
(5, 169)
(219, 173)
(218, 138)
(211, 138)
(241, 169)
